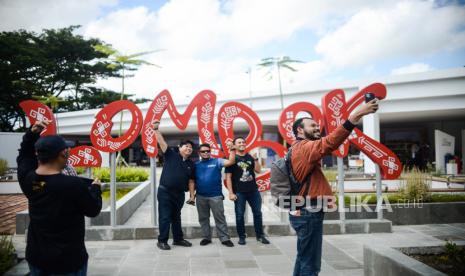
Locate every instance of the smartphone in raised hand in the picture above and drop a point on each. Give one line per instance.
(369, 97)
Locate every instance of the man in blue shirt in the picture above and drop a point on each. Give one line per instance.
(209, 194)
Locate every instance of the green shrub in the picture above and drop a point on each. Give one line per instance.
(7, 258)
(456, 255)
(123, 174)
(415, 186)
(331, 176)
(447, 197)
(3, 167)
(80, 170)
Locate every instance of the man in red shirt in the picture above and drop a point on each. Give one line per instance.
(307, 151)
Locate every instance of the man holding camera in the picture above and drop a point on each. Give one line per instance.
(307, 152)
(57, 205)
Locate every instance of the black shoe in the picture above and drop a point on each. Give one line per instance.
(163, 246)
(228, 243)
(263, 240)
(182, 243)
(205, 242)
(241, 241)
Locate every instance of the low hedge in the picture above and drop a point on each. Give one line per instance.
(397, 198)
(123, 174)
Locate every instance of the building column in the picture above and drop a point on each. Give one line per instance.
(371, 128)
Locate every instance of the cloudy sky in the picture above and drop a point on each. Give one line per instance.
(211, 44)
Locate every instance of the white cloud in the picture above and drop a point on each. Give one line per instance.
(37, 15)
(412, 68)
(407, 29)
(209, 44)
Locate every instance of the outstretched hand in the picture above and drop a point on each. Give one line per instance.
(370, 107)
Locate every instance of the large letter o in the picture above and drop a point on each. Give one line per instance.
(100, 134)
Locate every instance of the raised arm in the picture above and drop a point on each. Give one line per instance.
(27, 160)
(324, 146)
(232, 155)
(161, 141)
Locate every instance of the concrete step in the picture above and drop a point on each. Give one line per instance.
(333, 227)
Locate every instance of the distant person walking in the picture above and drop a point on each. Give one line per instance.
(57, 205)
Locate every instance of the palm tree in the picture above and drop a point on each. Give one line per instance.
(123, 63)
(279, 62)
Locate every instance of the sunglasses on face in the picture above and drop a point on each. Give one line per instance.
(205, 151)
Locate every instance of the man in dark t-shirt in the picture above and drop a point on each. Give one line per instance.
(177, 175)
(242, 187)
(57, 205)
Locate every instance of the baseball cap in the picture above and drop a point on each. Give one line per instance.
(49, 147)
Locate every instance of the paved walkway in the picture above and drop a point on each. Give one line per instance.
(9, 206)
(342, 254)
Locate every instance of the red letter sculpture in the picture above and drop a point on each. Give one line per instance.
(37, 111)
(100, 134)
(85, 156)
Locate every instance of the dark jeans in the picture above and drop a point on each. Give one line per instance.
(309, 229)
(169, 214)
(255, 203)
(35, 271)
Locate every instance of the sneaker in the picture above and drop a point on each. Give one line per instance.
(182, 243)
(263, 240)
(205, 242)
(163, 246)
(228, 243)
(241, 241)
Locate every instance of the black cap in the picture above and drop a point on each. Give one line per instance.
(48, 147)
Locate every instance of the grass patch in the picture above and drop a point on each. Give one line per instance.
(120, 192)
(7, 257)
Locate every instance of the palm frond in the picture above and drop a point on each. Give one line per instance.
(144, 53)
(288, 67)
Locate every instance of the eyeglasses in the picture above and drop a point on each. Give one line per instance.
(204, 151)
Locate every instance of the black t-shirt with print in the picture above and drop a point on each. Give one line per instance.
(243, 174)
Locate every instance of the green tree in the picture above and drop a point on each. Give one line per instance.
(279, 63)
(55, 63)
(123, 63)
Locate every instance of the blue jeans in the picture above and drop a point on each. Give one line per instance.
(309, 229)
(35, 271)
(169, 214)
(255, 201)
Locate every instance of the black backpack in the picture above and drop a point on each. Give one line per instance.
(283, 183)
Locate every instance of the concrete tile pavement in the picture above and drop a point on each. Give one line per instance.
(342, 254)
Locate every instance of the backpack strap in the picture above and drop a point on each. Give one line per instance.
(306, 181)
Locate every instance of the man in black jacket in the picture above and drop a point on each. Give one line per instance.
(57, 205)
